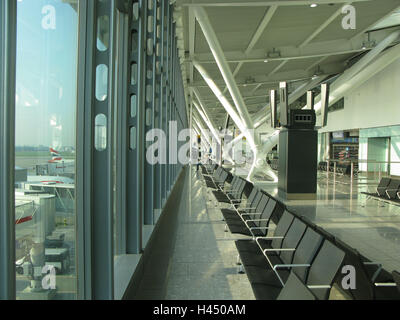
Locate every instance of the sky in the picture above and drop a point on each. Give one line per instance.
(47, 45)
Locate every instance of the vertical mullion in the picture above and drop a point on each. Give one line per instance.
(141, 116)
(165, 97)
(133, 127)
(8, 23)
(170, 80)
(158, 97)
(94, 167)
(149, 112)
(172, 90)
(121, 139)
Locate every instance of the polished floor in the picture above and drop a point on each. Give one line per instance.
(203, 264)
(370, 226)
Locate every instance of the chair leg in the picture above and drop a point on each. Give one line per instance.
(226, 228)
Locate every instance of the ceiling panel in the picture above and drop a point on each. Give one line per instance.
(299, 64)
(367, 13)
(257, 68)
(291, 25)
(234, 27)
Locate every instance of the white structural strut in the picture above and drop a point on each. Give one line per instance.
(346, 81)
(201, 130)
(204, 143)
(231, 111)
(223, 66)
(202, 105)
(245, 120)
(209, 125)
(348, 74)
(354, 77)
(225, 103)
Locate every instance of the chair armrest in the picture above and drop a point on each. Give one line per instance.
(269, 238)
(279, 266)
(385, 284)
(372, 263)
(255, 213)
(323, 286)
(386, 191)
(281, 249)
(257, 220)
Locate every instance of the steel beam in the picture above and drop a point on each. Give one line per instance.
(94, 185)
(149, 106)
(121, 129)
(8, 26)
(223, 66)
(158, 97)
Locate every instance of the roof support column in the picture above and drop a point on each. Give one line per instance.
(229, 79)
(223, 66)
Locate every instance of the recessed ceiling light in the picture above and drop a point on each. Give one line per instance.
(313, 5)
(266, 60)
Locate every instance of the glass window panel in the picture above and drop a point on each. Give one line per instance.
(101, 82)
(135, 11)
(103, 33)
(133, 106)
(47, 46)
(132, 142)
(134, 71)
(100, 134)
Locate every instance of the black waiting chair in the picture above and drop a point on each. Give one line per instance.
(256, 223)
(392, 189)
(259, 271)
(321, 275)
(295, 289)
(251, 205)
(256, 265)
(249, 248)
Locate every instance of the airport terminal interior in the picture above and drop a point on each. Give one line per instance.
(199, 150)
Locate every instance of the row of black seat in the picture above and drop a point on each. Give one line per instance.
(341, 168)
(388, 189)
(300, 260)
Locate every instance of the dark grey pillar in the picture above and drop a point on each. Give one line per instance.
(298, 162)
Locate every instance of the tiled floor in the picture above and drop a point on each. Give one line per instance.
(342, 210)
(204, 262)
